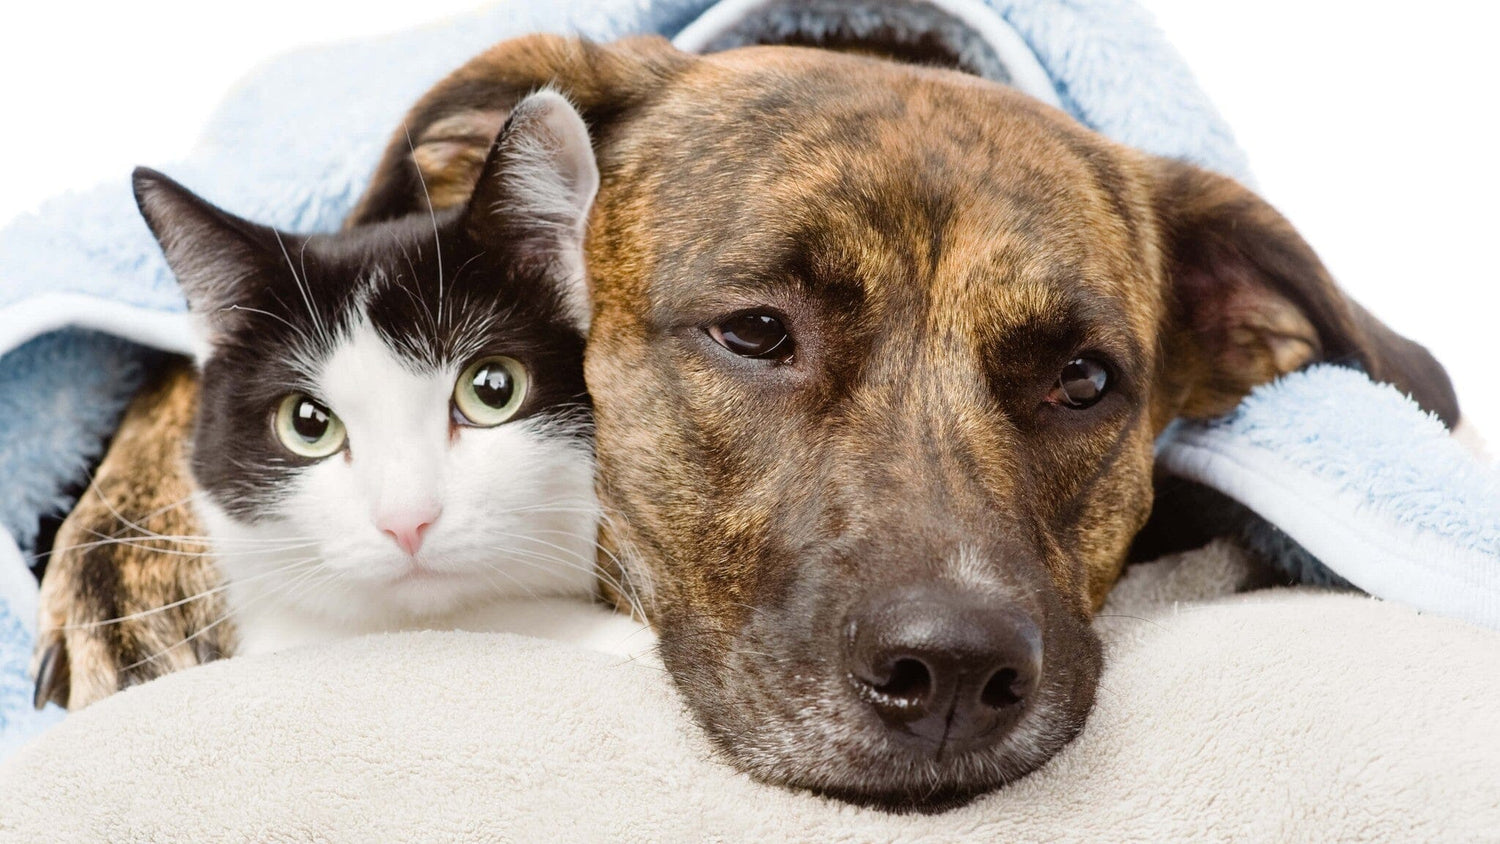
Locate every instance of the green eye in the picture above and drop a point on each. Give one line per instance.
(490, 391)
(308, 428)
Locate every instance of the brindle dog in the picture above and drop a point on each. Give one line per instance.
(878, 356)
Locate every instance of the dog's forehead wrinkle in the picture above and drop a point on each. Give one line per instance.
(905, 223)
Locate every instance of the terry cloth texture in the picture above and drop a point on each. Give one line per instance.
(1283, 715)
(293, 146)
(1363, 480)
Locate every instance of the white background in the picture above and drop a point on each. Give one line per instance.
(1369, 124)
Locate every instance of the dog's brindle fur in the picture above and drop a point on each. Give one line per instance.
(940, 247)
(128, 549)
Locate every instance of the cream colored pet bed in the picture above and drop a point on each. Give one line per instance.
(1270, 716)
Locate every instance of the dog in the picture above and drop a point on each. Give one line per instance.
(878, 356)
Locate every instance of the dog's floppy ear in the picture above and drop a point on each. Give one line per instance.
(435, 156)
(1251, 301)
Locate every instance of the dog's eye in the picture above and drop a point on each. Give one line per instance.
(754, 335)
(1081, 384)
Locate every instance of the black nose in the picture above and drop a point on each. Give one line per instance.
(951, 668)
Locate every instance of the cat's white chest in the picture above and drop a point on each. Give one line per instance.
(571, 620)
(265, 633)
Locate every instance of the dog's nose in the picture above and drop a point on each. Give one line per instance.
(950, 668)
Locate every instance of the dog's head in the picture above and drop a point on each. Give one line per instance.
(878, 357)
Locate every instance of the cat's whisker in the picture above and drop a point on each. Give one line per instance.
(628, 588)
(411, 293)
(612, 517)
(301, 256)
(165, 508)
(543, 542)
(317, 320)
(120, 517)
(151, 540)
(228, 614)
(105, 622)
(432, 213)
(296, 329)
(144, 545)
(540, 561)
(203, 539)
(582, 563)
(582, 507)
(494, 568)
(144, 533)
(149, 543)
(464, 266)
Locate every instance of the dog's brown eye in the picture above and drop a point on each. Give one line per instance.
(753, 335)
(1081, 384)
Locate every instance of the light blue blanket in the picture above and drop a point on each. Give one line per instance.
(293, 146)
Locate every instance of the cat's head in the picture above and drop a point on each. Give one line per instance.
(396, 413)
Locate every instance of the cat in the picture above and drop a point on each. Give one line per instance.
(393, 430)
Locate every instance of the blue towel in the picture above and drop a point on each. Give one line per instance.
(1364, 481)
(86, 300)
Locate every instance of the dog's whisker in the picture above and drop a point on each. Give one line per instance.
(1149, 621)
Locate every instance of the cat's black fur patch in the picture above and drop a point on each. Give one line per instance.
(282, 302)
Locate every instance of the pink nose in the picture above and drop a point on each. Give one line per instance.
(406, 527)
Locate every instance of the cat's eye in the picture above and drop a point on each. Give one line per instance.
(307, 427)
(760, 336)
(1082, 383)
(490, 391)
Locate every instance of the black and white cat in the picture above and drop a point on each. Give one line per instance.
(393, 431)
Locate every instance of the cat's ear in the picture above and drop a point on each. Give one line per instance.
(534, 193)
(215, 255)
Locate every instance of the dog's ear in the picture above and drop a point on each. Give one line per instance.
(1250, 301)
(435, 157)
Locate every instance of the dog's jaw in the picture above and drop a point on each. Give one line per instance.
(781, 706)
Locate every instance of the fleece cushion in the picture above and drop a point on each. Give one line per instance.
(1273, 715)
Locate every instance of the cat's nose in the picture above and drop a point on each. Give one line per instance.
(408, 525)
